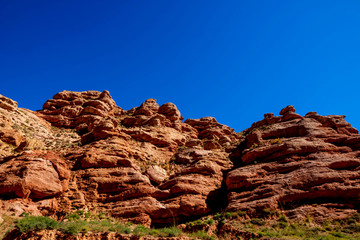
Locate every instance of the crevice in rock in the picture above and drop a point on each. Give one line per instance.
(345, 165)
(217, 199)
(344, 202)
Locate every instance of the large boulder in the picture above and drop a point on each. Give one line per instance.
(35, 175)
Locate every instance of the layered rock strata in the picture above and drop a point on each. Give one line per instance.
(148, 166)
(143, 165)
(305, 166)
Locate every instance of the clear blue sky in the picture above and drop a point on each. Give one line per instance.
(233, 60)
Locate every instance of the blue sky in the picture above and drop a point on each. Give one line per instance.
(233, 60)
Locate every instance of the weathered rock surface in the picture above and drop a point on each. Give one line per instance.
(91, 113)
(147, 166)
(22, 129)
(131, 163)
(33, 175)
(7, 103)
(291, 163)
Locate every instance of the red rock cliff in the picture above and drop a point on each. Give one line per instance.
(147, 165)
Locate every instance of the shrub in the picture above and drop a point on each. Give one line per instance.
(282, 224)
(258, 221)
(120, 228)
(127, 230)
(141, 230)
(269, 233)
(24, 214)
(283, 218)
(73, 217)
(210, 221)
(87, 215)
(169, 232)
(338, 234)
(217, 216)
(80, 212)
(198, 222)
(102, 215)
(227, 215)
(75, 227)
(36, 223)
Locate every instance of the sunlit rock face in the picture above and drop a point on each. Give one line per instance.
(147, 165)
(144, 165)
(303, 165)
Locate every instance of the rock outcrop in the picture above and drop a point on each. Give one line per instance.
(35, 175)
(7, 103)
(306, 166)
(91, 113)
(146, 165)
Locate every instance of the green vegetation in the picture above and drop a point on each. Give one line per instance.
(200, 223)
(258, 221)
(167, 232)
(283, 228)
(273, 225)
(141, 230)
(83, 222)
(36, 223)
(73, 226)
(221, 217)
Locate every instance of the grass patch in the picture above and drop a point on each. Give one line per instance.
(283, 228)
(30, 223)
(166, 232)
(79, 222)
(280, 227)
(73, 226)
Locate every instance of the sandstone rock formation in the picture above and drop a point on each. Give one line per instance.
(33, 175)
(146, 165)
(306, 166)
(91, 113)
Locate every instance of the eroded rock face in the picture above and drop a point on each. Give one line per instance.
(212, 131)
(33, 175)
(8, 135)
(291, 163)
(7, 103)
(91, 113)
(147, 166)
(130, 162)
